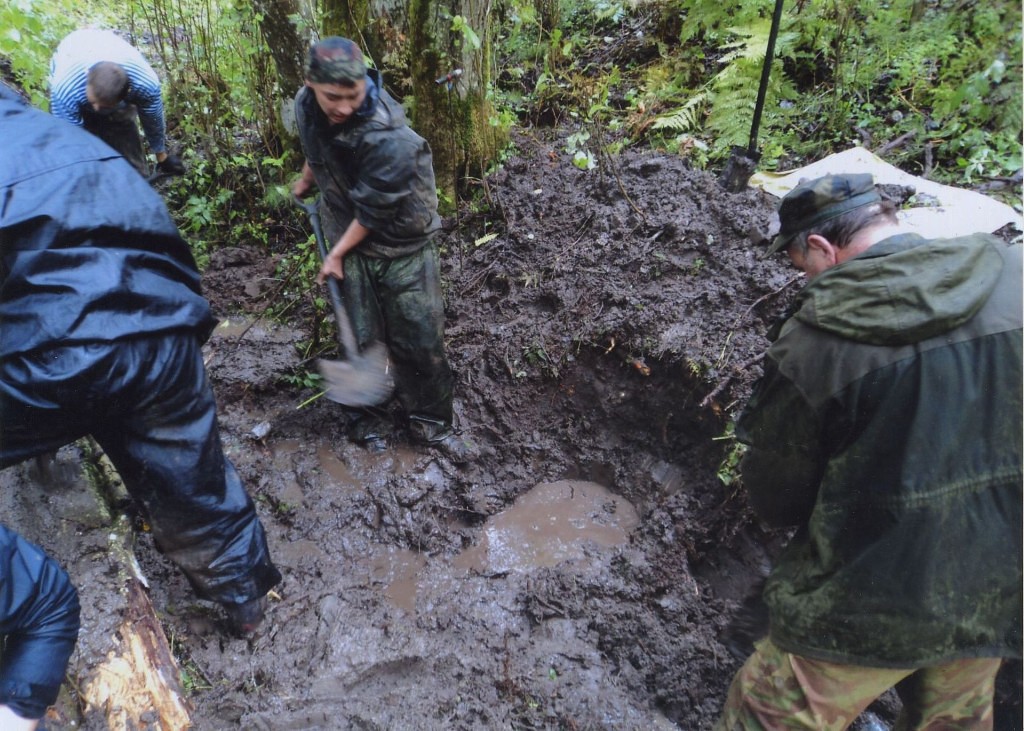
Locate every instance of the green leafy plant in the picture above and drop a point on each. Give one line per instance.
(193, 679)
(304, 378)
(728, 471)
(469, 36)
(576, 147)
(688, 117)
(222, 106)
(943, 82)
(29, 33)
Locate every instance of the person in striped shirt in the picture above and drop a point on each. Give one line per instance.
(102, 83)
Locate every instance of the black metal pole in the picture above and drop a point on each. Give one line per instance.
(762, 91)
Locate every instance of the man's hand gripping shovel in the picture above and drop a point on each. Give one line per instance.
(365, 378)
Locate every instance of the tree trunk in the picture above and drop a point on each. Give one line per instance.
(286, 47)
(413, 45)
(449, 84)
(345, 18)
(549, 14)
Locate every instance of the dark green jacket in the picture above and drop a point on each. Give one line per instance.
(373, 168)
(887, 426)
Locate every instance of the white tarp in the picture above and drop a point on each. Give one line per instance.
(948, 211)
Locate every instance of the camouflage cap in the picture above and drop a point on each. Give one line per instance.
(813, 202)
(335, 60)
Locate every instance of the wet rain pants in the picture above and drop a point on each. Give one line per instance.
(148, 403)
(398, 301)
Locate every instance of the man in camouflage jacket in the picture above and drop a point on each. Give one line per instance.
(887, 429)
(376, 179)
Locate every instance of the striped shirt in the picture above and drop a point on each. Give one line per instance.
(81, 50)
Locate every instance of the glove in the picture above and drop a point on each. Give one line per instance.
(171, 165)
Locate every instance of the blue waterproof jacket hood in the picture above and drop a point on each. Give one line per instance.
(70, 247)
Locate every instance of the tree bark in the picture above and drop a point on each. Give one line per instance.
(549, 14)
(288, 50)
(449, 84)
(282, 37)
(139, 680)
(413, 45)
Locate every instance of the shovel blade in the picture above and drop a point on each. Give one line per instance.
(738, 170)
(362, 380)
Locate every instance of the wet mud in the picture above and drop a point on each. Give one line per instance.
(603, 326)
(563, 579)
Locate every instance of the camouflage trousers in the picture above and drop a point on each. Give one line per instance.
(399, 302)
(777, 690)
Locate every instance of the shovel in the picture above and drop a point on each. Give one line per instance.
(364, 379)
(742, 163)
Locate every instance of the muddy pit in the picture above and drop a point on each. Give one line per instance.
(603, 326)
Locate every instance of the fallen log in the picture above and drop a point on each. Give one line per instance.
(123, 674)
(138, 685)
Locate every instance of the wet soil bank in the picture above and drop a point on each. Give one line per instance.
(604, 326)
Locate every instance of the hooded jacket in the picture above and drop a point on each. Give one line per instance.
(101, 317)
(373, 168)
(76, 264)
(887, 427)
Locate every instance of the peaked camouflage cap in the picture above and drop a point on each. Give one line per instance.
(335, 60)
(813, 202)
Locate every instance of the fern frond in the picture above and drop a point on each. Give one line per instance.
(684, 119)
(751, 41)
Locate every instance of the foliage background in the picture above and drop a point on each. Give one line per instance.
(933, 85)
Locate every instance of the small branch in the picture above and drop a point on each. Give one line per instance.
(757, 358)
(898, 142)
(725, 381)
(606, 158)
(762, 298)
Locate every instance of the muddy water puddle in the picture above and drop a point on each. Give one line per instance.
(566, 522)
(232, 329)
(554, 523)
(551, 524)
(398, 571)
